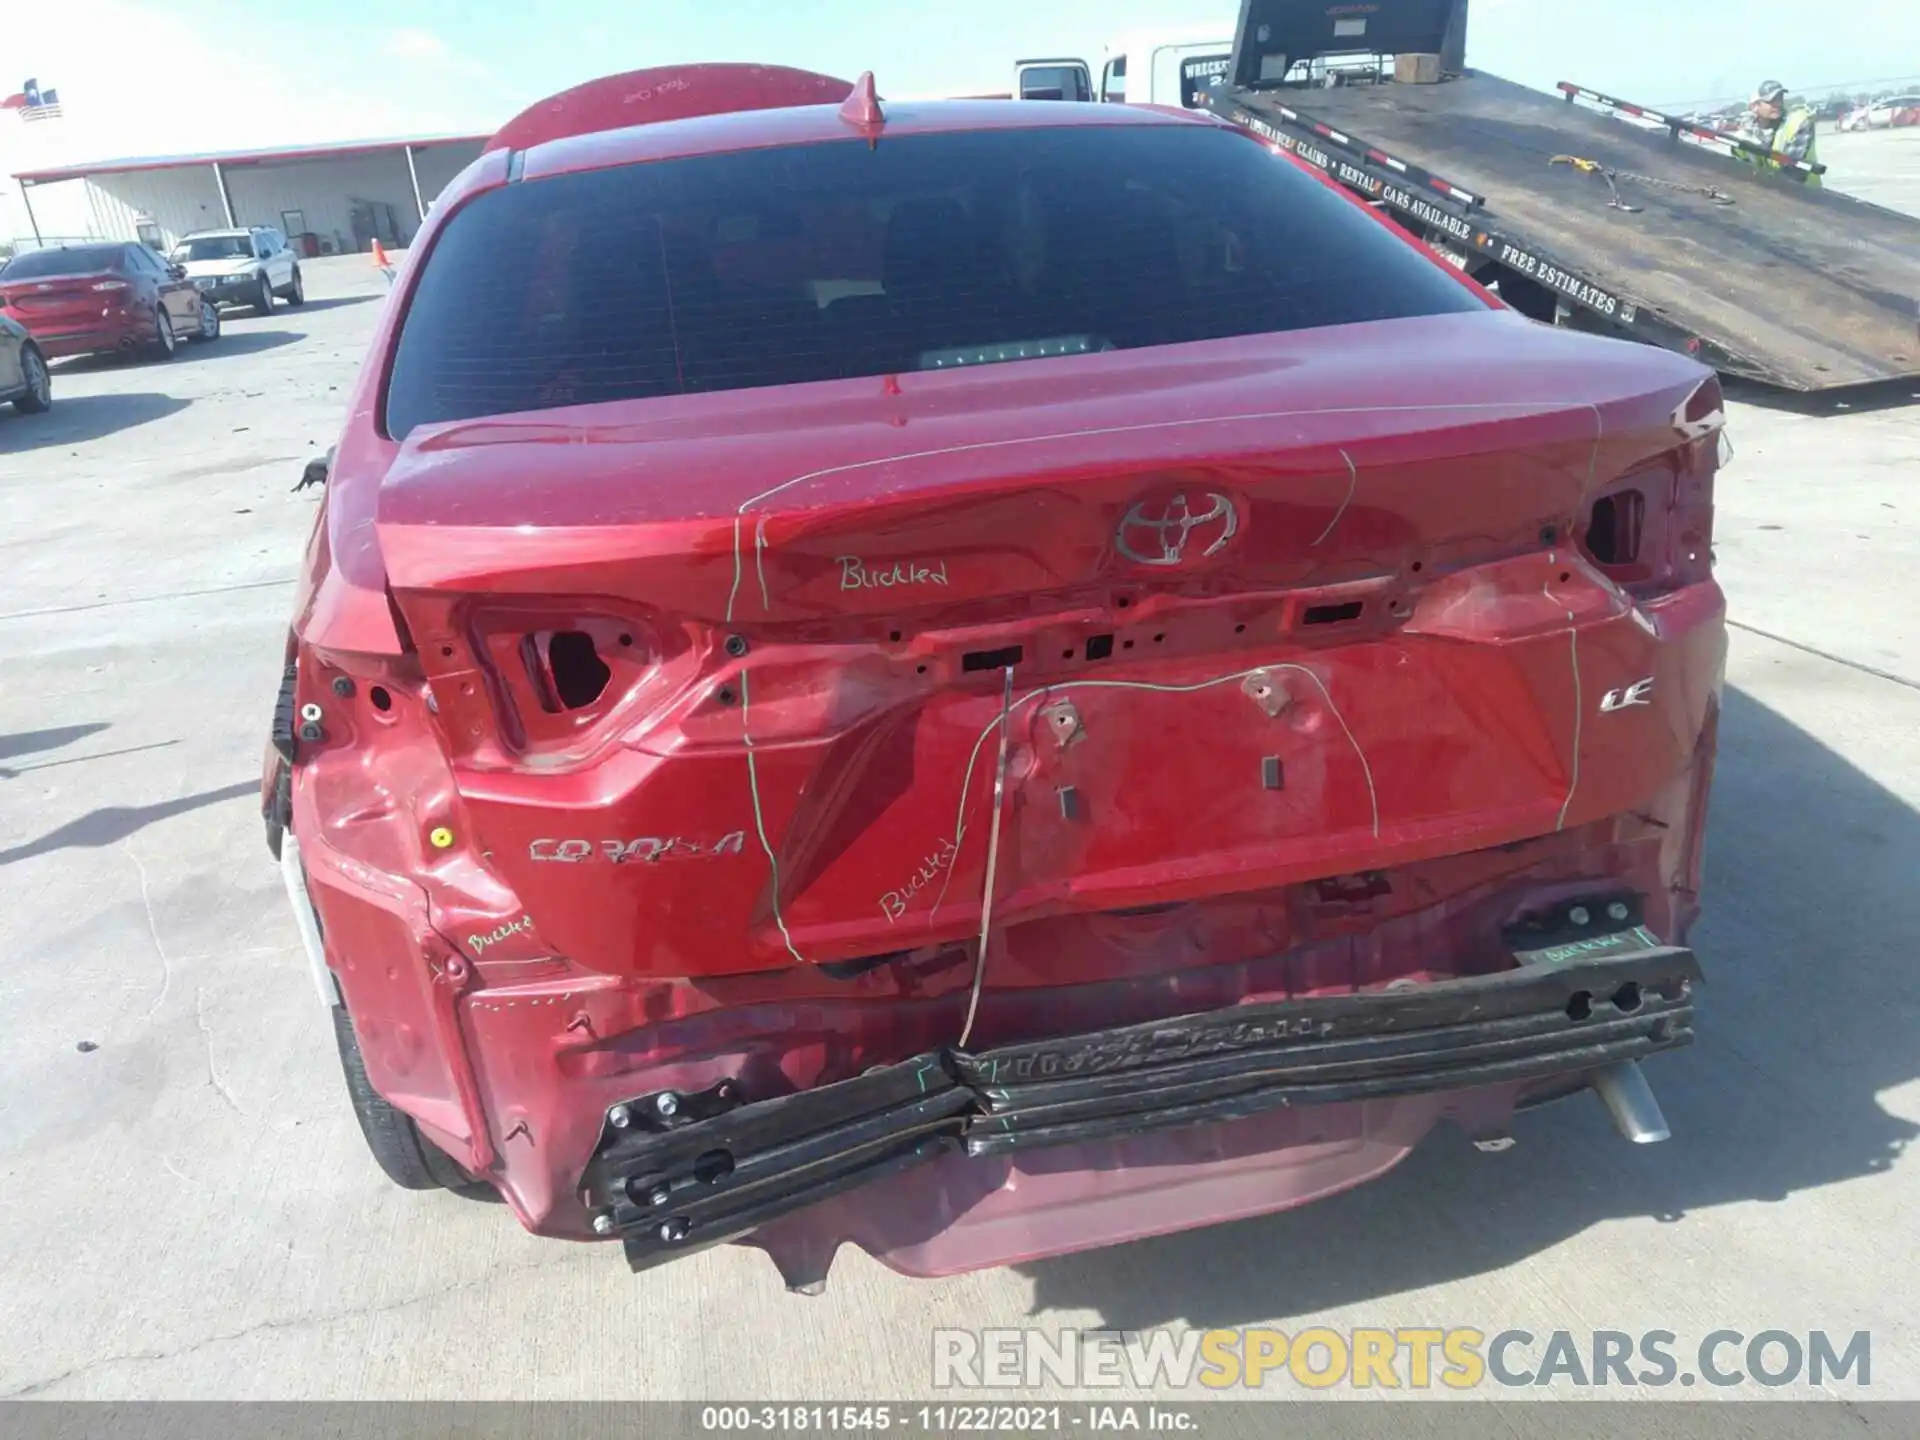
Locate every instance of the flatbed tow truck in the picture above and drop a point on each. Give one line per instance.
(1582, 209)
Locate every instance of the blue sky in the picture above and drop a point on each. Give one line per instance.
(335, 69)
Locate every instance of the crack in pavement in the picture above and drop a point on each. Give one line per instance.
(1816, 651)
(153, 929)
(291, 1322)
(147, 599)
(206, 1040)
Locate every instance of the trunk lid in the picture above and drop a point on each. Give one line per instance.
(723, 678)
(57, 301)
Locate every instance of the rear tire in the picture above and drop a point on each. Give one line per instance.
(209, 322)
(409, 1159)
(165, 342)
(39, 396)
(297, 291)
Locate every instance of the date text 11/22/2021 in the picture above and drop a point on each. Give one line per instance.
(945, 1419)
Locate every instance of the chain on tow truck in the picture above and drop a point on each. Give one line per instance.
(1614, 177)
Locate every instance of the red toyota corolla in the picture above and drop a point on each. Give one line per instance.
(979, 679)
(83, 299)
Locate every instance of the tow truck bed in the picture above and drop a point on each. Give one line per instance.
(1801, 287)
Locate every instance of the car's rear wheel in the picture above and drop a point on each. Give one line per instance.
(297, 292)
(209, 320)
(39, 394)
(164, 341)
(409, 1159)
(263, 302)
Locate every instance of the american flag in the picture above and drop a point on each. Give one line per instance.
(33, 103)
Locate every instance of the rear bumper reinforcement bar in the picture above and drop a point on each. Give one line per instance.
(711, 1168)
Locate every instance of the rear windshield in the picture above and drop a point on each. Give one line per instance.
(71, 260)
(778, 266)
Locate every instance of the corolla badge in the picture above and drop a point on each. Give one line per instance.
(1179, 529)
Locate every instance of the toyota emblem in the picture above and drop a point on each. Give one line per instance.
(1178, 529)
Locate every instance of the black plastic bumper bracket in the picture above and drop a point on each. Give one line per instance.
(721, 1168)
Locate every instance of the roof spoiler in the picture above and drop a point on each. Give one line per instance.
(1275, 35)
(669, 92)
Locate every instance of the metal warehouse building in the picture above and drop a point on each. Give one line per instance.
(327, 198)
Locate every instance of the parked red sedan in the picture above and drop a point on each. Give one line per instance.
(84, 299)
(979, 679)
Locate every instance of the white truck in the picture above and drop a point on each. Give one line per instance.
(1153, 67)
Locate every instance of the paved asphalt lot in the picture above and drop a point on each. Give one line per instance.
(189, 1211)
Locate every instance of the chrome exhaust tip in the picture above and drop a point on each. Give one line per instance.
(1624, 1090)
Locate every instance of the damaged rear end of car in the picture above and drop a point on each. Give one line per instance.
(878, 715)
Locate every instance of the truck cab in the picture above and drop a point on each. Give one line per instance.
(1064, 79)
(1155, 67)
(1164, 67)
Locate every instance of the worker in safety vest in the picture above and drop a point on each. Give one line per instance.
(1786, 129)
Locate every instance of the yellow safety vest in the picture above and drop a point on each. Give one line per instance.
(1798, 119)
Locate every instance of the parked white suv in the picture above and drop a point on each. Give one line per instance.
(250, 265)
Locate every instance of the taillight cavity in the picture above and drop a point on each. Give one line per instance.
(565, 668)
(1614, 527)
(1706, 403)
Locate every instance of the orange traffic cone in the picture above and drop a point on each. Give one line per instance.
(381, 262)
